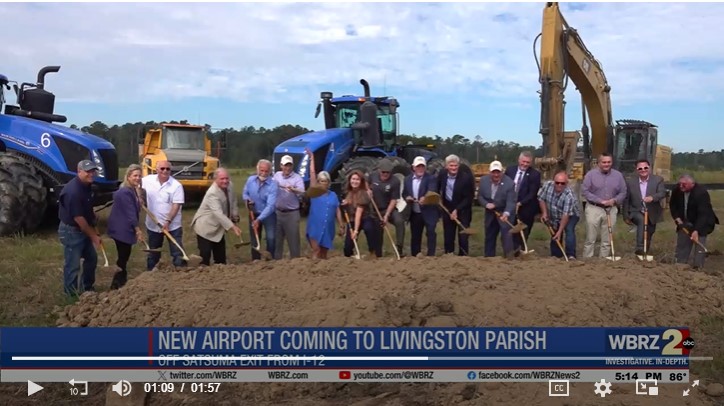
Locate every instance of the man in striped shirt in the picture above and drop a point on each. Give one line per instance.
(559, 207)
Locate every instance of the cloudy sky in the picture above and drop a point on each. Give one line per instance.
(461, 68)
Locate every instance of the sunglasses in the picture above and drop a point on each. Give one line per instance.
(643, 168)
(164, 169)
(560, 183)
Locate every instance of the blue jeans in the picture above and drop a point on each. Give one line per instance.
(77, 245)
(155, 240)
(569, 239)
(268, 225)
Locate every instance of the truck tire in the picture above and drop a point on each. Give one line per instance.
(400, 165)
(23, 198)
(365, 164)
(435, 165)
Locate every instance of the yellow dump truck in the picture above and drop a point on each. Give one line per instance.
(187, 147)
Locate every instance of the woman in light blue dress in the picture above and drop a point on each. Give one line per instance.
(322, 212)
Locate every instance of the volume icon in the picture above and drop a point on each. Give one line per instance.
(122, 388)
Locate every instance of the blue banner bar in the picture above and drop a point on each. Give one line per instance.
(483, 347)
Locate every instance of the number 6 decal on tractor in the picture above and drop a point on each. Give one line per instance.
(45, 140)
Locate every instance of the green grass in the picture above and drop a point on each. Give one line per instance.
(31, 268)
(700, 176)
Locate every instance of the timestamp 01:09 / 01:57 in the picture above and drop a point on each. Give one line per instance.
(181, 387)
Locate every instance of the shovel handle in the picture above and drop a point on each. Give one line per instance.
(377, 209)
(610, 232)
(354, 241)
(450, 214)
(257, 247)
(497, 213)
(553, 233)
(166, 233)
(686, 230)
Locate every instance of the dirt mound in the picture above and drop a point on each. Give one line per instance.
(436, 292)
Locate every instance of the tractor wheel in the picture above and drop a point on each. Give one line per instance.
(465, 166)
(435, 166)
(400, 165)
(364, 164)
(22, 195)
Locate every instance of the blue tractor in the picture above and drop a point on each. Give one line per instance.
(38, 157)
(359, 132)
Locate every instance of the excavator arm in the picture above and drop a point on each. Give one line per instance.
(563, 55)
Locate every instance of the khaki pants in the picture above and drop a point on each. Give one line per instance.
(597, 225)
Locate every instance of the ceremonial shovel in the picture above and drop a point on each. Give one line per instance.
(613, 256)
(553, 233)
(646, 256)
(432, 198)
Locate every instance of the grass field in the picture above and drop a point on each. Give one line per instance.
(31, 268)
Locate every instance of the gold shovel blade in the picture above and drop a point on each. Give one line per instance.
(431, 199)
(518, 228)
(314, 191)
(468, 231)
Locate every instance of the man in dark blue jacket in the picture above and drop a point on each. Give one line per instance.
(456, 186)
(527, 182)
(422, 216)
(691, 209)
(77, 230)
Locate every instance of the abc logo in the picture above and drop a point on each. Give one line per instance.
(122, 388)
(688, 343)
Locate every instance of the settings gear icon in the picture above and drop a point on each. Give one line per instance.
(600, 385)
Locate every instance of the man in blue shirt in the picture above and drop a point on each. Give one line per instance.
(260, 195)
(77, 230)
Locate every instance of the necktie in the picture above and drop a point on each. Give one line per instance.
(517, 180)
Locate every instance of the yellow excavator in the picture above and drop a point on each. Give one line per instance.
(564, 56)
(189, 150)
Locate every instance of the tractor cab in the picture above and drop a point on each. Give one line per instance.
(634, 140)
(372, 119)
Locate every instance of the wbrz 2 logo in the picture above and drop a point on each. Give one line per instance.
(676, 342)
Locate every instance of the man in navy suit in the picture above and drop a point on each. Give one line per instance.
(417, 184)
(457, 191)
(526, 181)
(497, 196)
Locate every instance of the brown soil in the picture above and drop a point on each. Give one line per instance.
(443, 291)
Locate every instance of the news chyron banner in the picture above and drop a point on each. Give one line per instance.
(344, 354)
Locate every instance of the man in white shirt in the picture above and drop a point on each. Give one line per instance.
(164, 198)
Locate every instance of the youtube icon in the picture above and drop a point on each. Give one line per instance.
(345, 375)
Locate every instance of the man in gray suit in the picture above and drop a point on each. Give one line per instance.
(217, 214)
(645, 189)
(496, 193)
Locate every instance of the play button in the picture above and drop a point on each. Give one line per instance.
(33, 388)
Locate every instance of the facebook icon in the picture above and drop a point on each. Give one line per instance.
(472, 375)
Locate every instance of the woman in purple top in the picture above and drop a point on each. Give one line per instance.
(123, 224)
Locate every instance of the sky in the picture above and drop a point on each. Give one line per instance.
(455, 68)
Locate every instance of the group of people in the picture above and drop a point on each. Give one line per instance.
(512, 198)
(640, 199)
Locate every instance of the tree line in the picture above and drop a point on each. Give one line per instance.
(240, 148)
